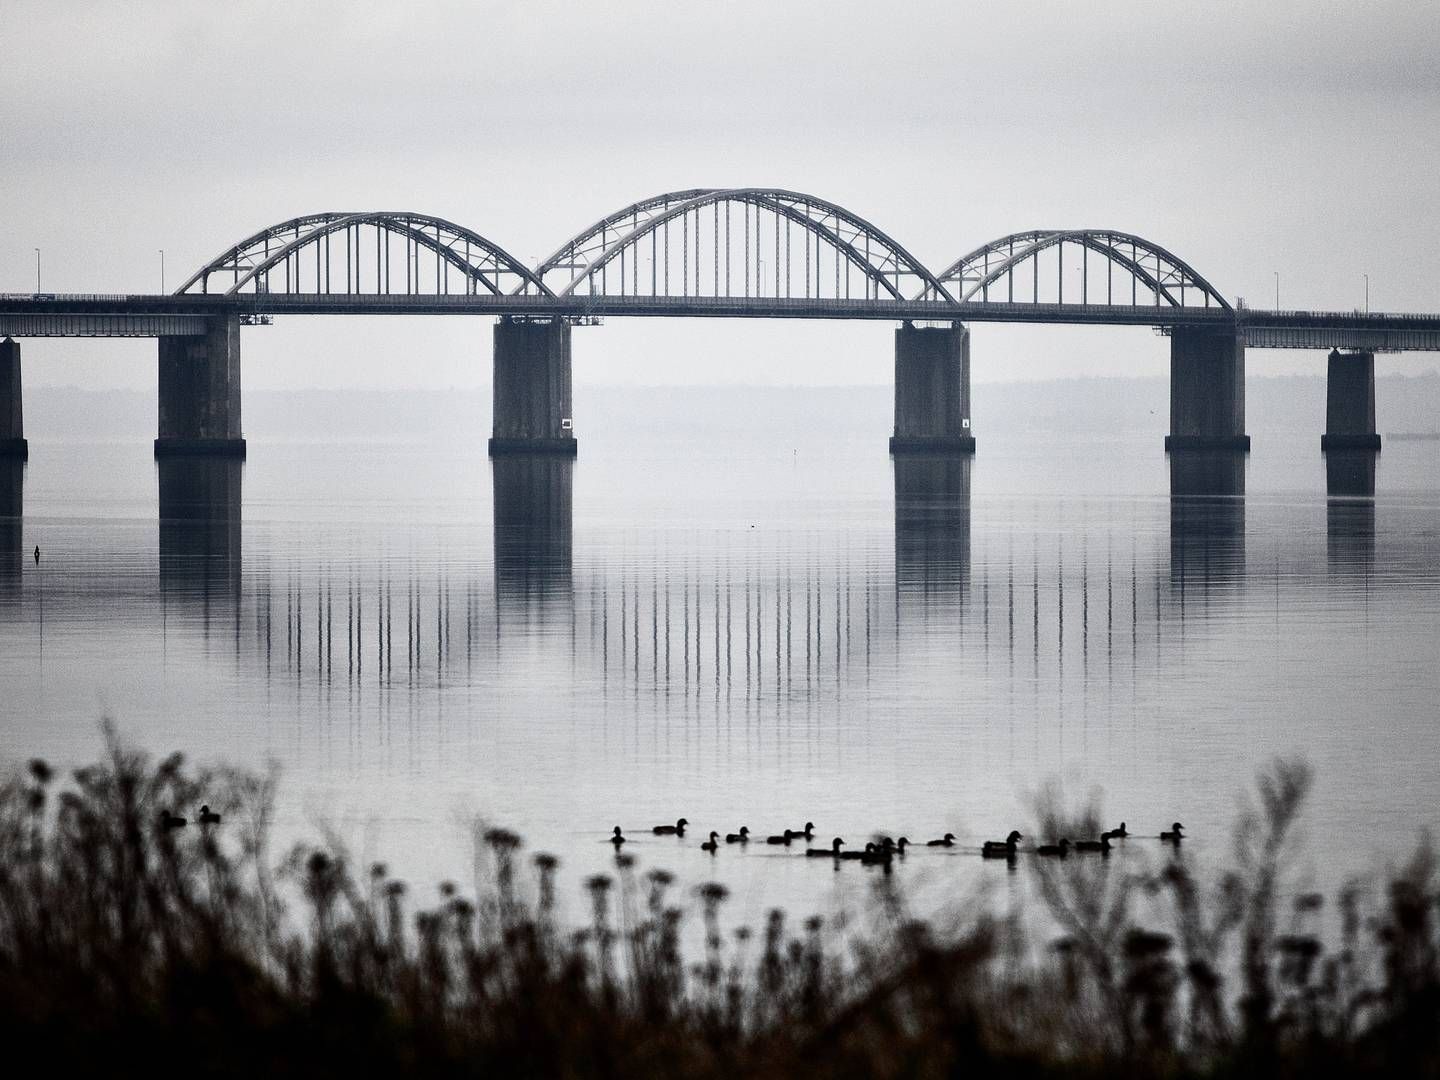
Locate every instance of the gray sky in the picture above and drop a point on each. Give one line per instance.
(1247, 138)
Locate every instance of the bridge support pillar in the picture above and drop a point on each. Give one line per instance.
(532, 388)
(200, 392)
(12, 417)
(1207, 391)
(932, 390)
(1350, 402)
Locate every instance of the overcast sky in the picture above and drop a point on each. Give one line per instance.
(1299, 137)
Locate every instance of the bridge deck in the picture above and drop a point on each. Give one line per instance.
(94, 315)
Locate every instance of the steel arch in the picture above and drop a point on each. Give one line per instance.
(482, 262)
(884, 261)
(1166, 276)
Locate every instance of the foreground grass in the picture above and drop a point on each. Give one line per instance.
(130, 948)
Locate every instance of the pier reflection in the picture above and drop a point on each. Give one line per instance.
(1207, 517)
(932, 530)
(200, 526)
(12, 520)
(1350, 509)
(534, 497)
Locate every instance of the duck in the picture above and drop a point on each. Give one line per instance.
(832, 852)
(869, 851)
(998, 851)
(948, 840)
(877, 856)
(1061, 849)
(208, 816)
(618, 838)
(678, 829)
(894, 847)
(783, 838)
(1102, 845)
(1174, 835)
(1120, 833)
(741, 837)
(1002, 847)
(808, 831)
(169, 821)
(711, 845)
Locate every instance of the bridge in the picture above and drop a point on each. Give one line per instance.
(708, 252)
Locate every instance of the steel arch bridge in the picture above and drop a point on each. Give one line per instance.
(721, 251)
(369, 253)
(1009, 270)
(746, 243)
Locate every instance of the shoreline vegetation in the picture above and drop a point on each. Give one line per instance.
(129, 946)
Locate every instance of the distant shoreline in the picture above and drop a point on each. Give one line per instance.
(1413, 436)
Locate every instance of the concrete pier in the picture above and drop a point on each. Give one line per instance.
(532, 388)
(200, 518)
(1207, 392)
(1350, 402)
(12, 414)
(932, 390)
(200, 392)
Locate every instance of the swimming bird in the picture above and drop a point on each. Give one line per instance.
(1000, 847)
(1120, 833)
(37, 554)
(207, 816)
(948, 840)
(711, 844)
(678, 829)
(998, 851)
(741, 837)
(1174, 836)
(783, 838)
(618, 838)
(1061, 849)
(877, 856)
(169, 821)
(831, 852)
(1102, 845)
(808, 831)
(869, 850)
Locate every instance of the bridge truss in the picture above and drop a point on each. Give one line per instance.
(1077, 266)
(358, 254)
(746, 243)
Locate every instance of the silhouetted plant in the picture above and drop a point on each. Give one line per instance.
(126, 943)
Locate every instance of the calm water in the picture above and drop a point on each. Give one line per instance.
(743, 625)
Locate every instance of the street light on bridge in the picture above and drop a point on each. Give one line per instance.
(1277, 290)
(37, 270)
(1367, 293)
(162, 271)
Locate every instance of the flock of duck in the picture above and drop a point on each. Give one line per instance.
(883, 849)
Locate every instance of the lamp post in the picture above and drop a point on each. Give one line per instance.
(1367, 293)
(37, 270)
(162, 271)
(1277, 290)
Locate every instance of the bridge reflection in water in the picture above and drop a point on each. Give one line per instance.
(534, 554)
(1052, 599)
(932, 532)
(200, 526)
(1207, 520)
(12, 520)
(1350, 510)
